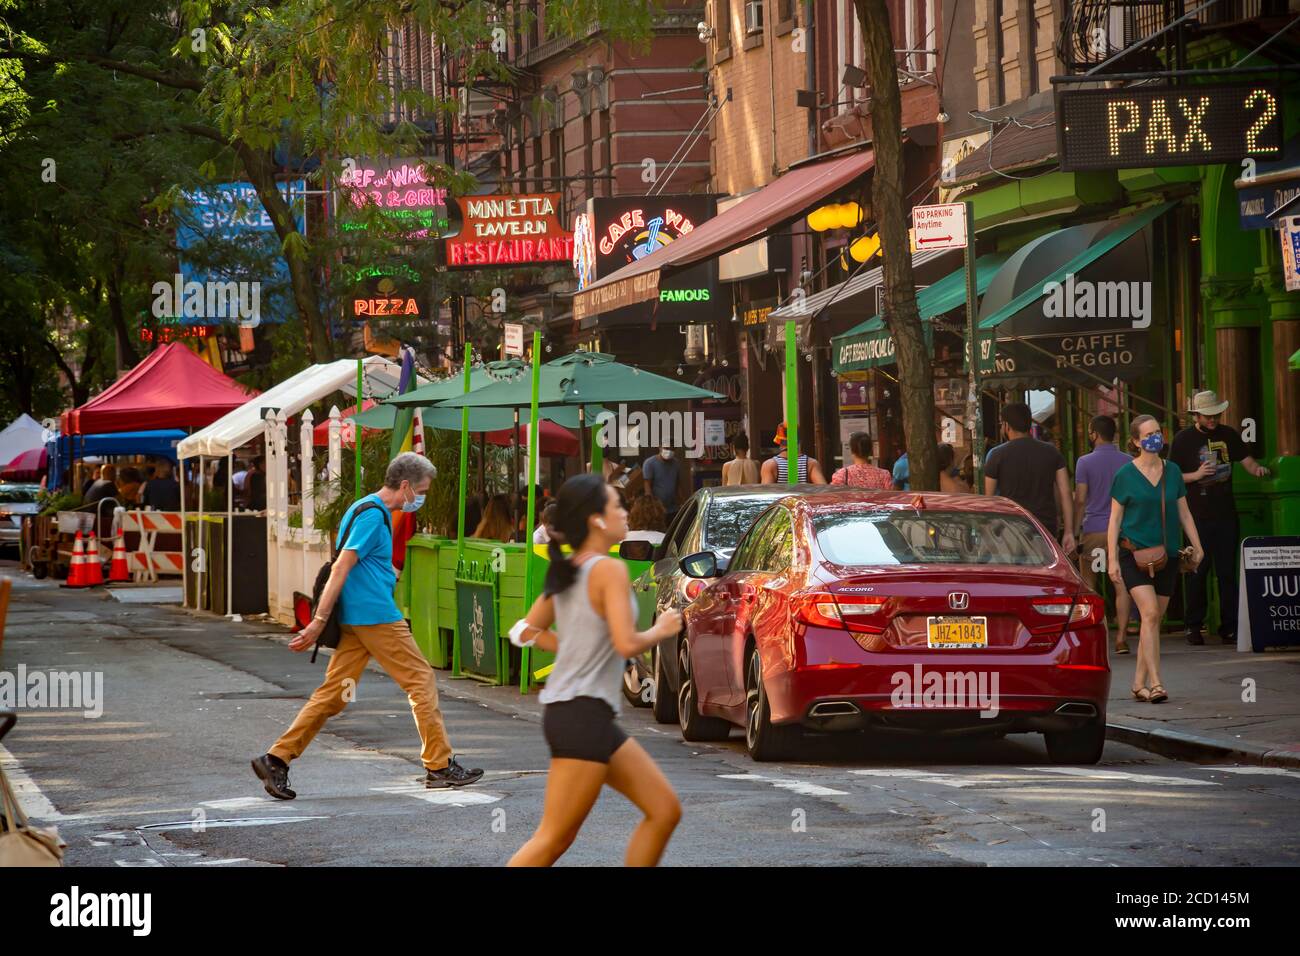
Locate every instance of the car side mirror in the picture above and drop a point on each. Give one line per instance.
(702, 564)
(636, 551)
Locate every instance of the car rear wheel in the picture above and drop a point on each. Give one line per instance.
(1080, 746)
(664, 703)
(695, 726)
(763, 739)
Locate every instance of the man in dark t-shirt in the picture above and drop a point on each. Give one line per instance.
(1031, 473)
(162, 492)
(1205, 453)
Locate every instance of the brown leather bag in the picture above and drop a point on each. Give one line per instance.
(1152, 560)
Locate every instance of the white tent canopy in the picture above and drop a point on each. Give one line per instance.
(291, 396)
(24, 433)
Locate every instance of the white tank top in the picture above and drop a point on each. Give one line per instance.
(586, 664)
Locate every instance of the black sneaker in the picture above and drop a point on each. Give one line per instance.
(452, 775)
(1194, 637)
(274, 774)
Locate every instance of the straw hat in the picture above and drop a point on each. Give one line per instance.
(1207, 403)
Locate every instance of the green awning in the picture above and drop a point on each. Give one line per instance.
(1295, 361)
(1084, 259)
(870, 344)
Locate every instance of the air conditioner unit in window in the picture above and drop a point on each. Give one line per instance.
(754, 16)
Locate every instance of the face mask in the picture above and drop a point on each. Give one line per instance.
(666, 454)
(1153, 443)
(416, 505)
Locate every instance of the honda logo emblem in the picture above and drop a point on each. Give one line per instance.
(959, 600)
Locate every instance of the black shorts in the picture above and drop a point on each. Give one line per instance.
(582, 729)
(1165, 581)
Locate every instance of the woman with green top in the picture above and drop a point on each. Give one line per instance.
(1148, 506)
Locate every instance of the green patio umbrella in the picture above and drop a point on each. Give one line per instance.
(1294, 361)
(382, 416)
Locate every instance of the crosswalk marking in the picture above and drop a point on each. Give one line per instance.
(1147, 778)
(448, 798)
(923, 776)
(784, 783)
(1266, 771)
(30, 796)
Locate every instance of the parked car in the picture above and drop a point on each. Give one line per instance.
(16, 500)
(713, 519)
(915, 611)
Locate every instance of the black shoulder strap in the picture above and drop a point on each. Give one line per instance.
(368, 506)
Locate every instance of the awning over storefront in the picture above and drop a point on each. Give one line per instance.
(774, 204)
(1052, 309)
(871, 345)
(842, 299)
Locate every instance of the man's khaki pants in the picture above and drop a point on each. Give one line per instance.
(394, 648)
(1089, 542)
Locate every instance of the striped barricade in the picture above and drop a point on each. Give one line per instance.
(146, 563)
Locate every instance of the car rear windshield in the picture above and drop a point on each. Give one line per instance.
(12, 495)
(930, 537)
(730, 517)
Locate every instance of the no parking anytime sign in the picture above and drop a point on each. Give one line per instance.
(1268, 610)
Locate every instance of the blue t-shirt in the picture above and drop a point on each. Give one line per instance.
(1097, 470)
(367, 596)
(661, 476)
(903, 473)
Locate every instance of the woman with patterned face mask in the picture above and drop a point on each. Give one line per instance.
(1148, 507)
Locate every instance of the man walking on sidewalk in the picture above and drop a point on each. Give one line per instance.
(1205, 452)
(1093, 474)
(1031, 473)
(363, 579)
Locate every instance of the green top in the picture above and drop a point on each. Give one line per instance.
(1141, 501)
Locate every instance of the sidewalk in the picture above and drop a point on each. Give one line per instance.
(1205, 717)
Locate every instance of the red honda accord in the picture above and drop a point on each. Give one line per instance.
(915, 611)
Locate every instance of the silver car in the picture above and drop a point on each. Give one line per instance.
(16, 500)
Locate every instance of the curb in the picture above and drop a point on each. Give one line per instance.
(1196, 747)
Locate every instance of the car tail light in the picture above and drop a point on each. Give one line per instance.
(843, 611)
(1087, 609)
(690, 588)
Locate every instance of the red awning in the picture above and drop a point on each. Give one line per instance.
(777, 202)
(172, 388)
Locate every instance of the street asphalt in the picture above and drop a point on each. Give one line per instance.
(161, 778)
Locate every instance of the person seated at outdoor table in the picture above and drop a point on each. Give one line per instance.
(496, 524)
(90, 480)
(647, 520)
(543, 534)
(104, 487)
(255, 485)
(950, 481)
(129, 481)
(162, 492)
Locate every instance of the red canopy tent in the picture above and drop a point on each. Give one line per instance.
(27, 466)
(172, 388)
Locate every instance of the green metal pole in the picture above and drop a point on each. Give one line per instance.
(791, 404)
(464, 462)
(530, 558)
(972, 338)
(460, 508)
(356, 432)
(597, 450)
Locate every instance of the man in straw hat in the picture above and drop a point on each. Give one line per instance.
(1205, 452)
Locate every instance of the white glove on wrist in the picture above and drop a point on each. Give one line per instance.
(517, 634)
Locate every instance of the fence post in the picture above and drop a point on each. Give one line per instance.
(307, 453)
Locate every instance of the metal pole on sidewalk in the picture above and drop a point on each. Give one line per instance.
(791, 404)
(356, 433)
(975, 407)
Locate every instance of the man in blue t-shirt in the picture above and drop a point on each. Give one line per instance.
(362, 581)
(1093, 474)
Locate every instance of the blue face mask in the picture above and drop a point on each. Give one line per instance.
(1153, 443)
(415, 505)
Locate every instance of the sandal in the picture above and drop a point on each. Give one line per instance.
(1121, 647)
(1158, 695)
(1142, 694)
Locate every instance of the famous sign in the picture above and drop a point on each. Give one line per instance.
(400, 188)
(510, 231)
(618, 230)
(1168, 126)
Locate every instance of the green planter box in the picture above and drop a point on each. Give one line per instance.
(421, 574)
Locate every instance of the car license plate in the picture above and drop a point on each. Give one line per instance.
(957, 632)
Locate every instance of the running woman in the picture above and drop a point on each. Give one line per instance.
(588, 596)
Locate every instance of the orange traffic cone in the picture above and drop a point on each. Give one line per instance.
(76, 571)
(94, 567)
(117, 570)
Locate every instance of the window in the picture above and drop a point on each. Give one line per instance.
(729, 518)
(784, 11)
(779, 555)
(750, 552)
(722, 25)
(894, 537)
(681, 526)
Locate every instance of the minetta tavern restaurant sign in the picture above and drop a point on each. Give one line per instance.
(510, 231)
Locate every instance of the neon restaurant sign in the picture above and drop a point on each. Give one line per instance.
(510, 231)
(401, 189)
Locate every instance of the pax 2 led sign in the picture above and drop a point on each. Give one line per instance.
(1168, 126)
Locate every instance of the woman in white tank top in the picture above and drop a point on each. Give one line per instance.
(588, 597)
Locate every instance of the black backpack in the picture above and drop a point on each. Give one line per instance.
(330, 633)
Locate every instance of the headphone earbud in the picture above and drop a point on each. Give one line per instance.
(600, 523)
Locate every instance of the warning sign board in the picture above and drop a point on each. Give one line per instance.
(941, 226)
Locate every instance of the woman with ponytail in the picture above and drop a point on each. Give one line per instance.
(588, 596)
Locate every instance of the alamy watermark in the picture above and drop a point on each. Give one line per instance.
(945, 690)
(625, 429)
(58, 690)
(210, 300)
(1084, 299)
